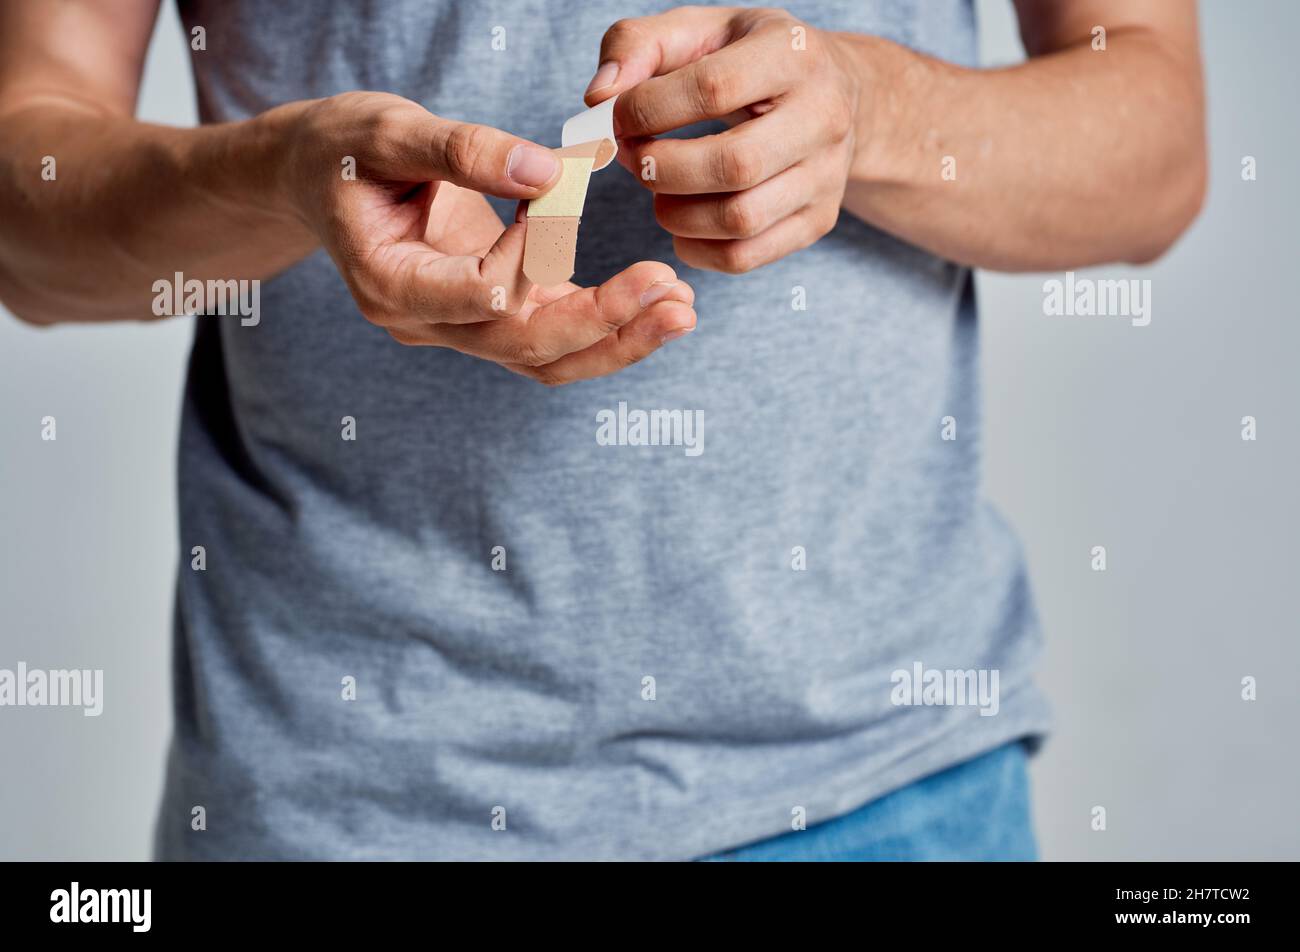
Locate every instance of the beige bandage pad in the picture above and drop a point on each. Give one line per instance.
(551, 243)
(549, 248)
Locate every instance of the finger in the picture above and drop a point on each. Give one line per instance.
(425, 146)
(572, 322)
(407, 282)
(633, 50)
(581, 319)
(738, 214)
(738, 256)
(408, 287)
(756, 67)
(502, 271)
(636, 340)
(430, 289)
(730, 161)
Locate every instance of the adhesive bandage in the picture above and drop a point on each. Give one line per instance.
(551, 243)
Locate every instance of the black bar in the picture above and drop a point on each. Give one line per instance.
(941, 902)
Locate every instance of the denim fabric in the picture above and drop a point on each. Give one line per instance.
(978, 810)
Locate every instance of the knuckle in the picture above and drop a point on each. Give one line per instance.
(740, 217)
(735, 258)
(607, 323)
(547, 377)
(774, 22)
(626, 358)
(465, 148)
(385, 124)
(604, 319)
(622, 31)
(715, 89)
(494, 302)
(687, 251)
(740, 166)
(403, 337)
(527, 353)
(827, 220)
(640, 112)
(666, 216)
(840, 117)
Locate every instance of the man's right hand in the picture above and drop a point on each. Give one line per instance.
(419, 246)
(394, 193)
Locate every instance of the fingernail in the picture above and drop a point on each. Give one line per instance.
(605, 76)
(673, 335)
(532, 165)
(656, 292)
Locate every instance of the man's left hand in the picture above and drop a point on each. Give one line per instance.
(772, 183)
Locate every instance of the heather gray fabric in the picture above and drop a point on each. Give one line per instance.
(523, 689)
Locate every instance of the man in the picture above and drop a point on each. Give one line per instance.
(443, 612)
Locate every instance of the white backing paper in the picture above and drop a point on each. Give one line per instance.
(596, 123)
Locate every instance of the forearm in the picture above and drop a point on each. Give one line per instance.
(1074, 158)
(127, 203)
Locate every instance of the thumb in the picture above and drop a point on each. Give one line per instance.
(483, 159)
(633, 50)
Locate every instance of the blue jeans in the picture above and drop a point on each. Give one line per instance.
(978, 810)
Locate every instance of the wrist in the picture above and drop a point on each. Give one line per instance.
(273, 140)
(245, 169)
(889, 79)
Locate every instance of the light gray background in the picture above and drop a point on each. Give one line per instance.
(1097, 433)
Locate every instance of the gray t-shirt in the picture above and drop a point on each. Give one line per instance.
(560, 644)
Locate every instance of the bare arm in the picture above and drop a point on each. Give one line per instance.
(423, 253)
(119, 203)
(1078, 156)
